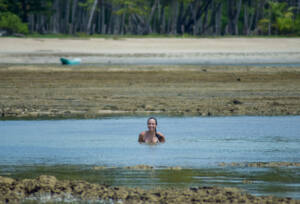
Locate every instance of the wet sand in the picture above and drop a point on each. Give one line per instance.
(36, 91)
(48, 188)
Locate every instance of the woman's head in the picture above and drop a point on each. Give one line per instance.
(152, 123)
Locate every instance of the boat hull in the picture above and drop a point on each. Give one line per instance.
(65, 61)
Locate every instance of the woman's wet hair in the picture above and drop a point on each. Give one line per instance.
(153, 119)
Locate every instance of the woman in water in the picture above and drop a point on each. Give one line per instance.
(151, 136)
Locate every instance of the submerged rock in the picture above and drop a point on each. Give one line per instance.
(174, 168)
(140, 167)
(99, 168)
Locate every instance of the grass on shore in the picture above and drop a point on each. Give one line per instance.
(153, 35)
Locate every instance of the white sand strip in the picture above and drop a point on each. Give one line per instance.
(152, 50)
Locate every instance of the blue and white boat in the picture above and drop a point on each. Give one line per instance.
(66, 61)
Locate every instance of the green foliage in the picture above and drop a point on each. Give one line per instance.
(297, 25)
(82, 35)
(276, 9)
(284, 24)
(281, 17)
(87, 4)
(128, 7)
(186, 1)
(276, 17)
(263, 25)
(3, 5)
(12, 23)
(129, 10)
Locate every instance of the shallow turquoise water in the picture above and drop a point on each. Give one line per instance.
(193, 142)
(68, 148)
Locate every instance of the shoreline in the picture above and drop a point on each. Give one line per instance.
(49, 188)
(189, 58)
(152, 51)
(80, 183)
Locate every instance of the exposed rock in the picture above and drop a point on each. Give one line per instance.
(99, 168)
(139, 167)
(47, 182)
(5, 181)
(49, 189)
(175, 168)
(236, 102)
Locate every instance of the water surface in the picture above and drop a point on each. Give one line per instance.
(192, 142)
(71, 148)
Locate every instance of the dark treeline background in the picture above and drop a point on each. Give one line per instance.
(140, 17)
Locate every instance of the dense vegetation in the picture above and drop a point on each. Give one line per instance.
(141, 17)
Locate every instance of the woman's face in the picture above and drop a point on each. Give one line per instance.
(151, 125)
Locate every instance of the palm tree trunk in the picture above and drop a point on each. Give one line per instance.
(218, 19)
(236, 19)
(67, 17)
(174, 8)
(103, 25)
(91, 17)
(55, 17)
(73, 20)
(246, 20)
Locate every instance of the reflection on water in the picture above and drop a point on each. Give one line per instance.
(69, 149)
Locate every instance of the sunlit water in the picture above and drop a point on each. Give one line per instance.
(197, 144)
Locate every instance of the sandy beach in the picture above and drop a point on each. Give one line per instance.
(166, 51)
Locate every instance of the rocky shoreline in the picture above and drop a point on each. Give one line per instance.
(47, 188)
(51, 92)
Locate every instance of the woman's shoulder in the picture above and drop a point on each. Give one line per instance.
(160, 137)
(143, 133)
(160, 134)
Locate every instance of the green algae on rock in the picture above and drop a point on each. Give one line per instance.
(13, 191)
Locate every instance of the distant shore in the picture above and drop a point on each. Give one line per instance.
(152, 51)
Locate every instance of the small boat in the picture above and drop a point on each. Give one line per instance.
(66, 61)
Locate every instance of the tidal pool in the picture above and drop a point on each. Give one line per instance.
(71, 148)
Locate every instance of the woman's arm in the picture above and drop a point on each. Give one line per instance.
(141, 137)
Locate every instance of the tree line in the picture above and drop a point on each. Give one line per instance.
(142, 17)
